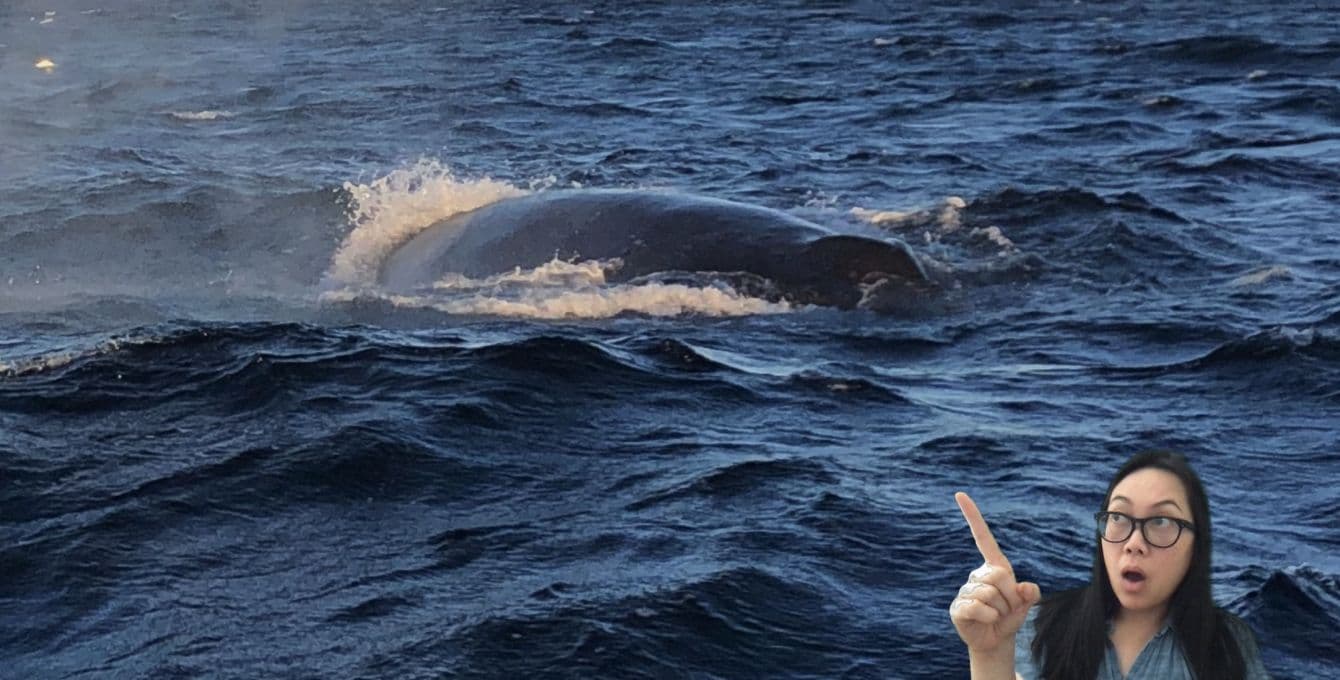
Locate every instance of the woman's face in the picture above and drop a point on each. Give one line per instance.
(1143, 576)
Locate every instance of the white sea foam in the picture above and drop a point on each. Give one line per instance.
(390, 210)
(994, 235)
(934, 222)
(37, 364)
(553, 274)
(944, 217)
(57, 359)
(570, 290)
(653, 299)
(1262, 275)
(200, 115)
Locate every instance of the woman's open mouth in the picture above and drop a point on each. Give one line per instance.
(1132, 579)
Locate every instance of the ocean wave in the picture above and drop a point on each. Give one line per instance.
(681, 356)
(1294, 143)
(986, 19)
(232, 364)
(583, 367)
(1116, 251)
(743, 622)
(835, 387)
(882, 346)
(1013, 206)
(964, 450)
(1219, 49)
(721, 484)
(598, 109)
(253, 368)
(1252, 168)
(1124, 238)
(459, 547)
(373, 608)
(1322, 101)
(1282, 351)
(1241, 50)
(384, 460)
(1120, 130)
(556, 357)
(1298, 598)
(796, 98)
(1021, 88)
(631, 44)
(42, 363)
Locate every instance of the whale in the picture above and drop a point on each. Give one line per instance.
(648, 233)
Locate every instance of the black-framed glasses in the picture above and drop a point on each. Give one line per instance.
(1159, 531)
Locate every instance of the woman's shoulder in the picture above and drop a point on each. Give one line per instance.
(1245, 638)
(1241, 632)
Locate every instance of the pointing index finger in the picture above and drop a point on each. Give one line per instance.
(981, 533)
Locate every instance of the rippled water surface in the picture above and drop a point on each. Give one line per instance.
(226, 451)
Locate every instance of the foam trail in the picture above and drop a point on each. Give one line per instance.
(390, 210)
(945, 217)
(57, 359)
(652, 299)
(1263, 275)
(554, 273)
(200, 115)
(571, 290)
(995, 236)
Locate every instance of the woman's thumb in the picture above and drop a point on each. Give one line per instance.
(1029, 592)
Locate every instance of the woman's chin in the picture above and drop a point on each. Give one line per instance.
(1136, 597)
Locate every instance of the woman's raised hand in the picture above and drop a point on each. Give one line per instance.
(991, 606)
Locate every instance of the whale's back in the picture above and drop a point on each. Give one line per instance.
(649, 233)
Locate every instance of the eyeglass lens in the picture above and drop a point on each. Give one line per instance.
(1161, 532)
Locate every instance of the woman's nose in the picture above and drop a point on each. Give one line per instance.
(1136, 543)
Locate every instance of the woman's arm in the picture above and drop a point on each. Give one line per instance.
(991, 607)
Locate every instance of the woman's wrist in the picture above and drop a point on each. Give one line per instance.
(994, 663)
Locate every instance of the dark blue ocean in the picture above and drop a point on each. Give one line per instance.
(226, 452)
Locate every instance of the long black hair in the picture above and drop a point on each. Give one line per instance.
(1071, 626)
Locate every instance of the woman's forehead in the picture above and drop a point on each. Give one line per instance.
(1150, 486)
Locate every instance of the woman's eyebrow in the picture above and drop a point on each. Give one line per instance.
(1128, 501)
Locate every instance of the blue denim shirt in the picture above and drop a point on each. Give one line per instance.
(1161, 659)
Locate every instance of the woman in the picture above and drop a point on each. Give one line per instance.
(1147, 610)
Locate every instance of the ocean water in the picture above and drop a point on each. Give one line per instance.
(225, 451)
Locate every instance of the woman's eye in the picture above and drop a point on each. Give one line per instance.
(1160, 522)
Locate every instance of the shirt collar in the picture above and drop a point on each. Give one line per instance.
(1163, 629)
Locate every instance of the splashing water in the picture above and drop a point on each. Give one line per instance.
(390, 210)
